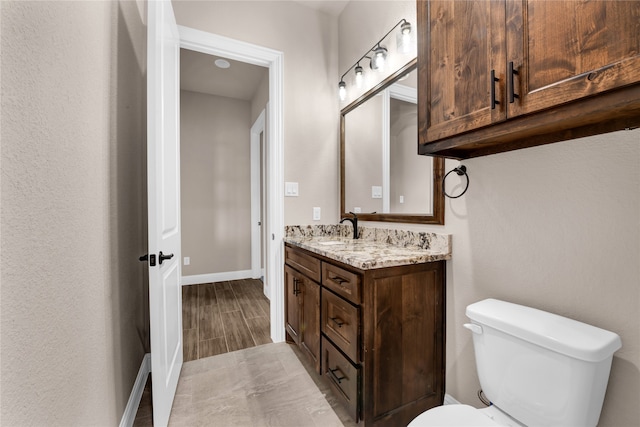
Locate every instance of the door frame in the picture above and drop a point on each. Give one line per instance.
(256, 208)
(213, 44)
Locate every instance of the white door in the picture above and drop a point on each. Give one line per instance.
(163, 186)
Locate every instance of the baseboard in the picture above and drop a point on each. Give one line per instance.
(197, 279)
(450, 400)
(131, 410)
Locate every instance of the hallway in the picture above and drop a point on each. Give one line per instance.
(224, 316)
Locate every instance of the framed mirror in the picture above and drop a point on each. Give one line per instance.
(382, 176)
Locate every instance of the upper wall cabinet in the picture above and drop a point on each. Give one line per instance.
(500, 75)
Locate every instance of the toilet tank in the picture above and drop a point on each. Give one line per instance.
(540, 368)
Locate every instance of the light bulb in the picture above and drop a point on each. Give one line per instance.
(379, 56)
(359, 76)
(404, 38)
(342, 90)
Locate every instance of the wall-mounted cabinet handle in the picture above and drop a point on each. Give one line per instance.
(512, 73)
(338, 321)
(337, 378)
(296, 286)
(494, 101)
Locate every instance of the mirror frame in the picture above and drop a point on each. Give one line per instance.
(437, 217)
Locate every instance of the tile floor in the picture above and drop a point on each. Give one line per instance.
(267, 385)
(225, 316)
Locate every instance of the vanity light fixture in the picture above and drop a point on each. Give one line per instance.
(342, 90)
(359, 76)
(404, 38)
(377, 56)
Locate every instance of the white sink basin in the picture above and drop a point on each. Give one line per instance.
(331, 243)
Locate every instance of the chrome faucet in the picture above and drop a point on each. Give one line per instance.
(354, 222)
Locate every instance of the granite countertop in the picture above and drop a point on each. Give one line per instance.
(376, 247)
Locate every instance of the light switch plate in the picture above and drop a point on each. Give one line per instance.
(357, 210)
(291, 189)
(316, 214)
(376, 192)
(187, 260)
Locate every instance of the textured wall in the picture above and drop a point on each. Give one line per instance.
(215, 183)
(73, 301)
(555, 227)
(308, 40)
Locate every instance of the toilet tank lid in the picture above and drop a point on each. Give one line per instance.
(557, 333)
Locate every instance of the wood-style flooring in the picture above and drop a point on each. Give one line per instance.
(224, 316)
(258, 385)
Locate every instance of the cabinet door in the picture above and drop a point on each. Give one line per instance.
(460, 44)
(310, 328)
(567, 50)
(293, 302)
(405, 339)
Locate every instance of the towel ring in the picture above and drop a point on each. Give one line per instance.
(460, 170)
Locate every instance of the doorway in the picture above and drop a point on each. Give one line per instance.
(273, 224)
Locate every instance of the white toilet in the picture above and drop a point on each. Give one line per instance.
(536, 368)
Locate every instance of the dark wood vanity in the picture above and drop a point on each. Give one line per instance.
(377, 336)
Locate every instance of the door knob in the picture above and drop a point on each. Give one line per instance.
(151, 258)
(162, 257)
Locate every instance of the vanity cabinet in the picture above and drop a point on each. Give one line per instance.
(302, 301)
(382, 336)
(500, 75)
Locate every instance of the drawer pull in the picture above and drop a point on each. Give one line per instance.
(338, 280)
(339, 379)
(338, 321)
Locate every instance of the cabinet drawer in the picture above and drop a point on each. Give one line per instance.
(342, 282)
(341, 323)
(342, 375)
(302, 262)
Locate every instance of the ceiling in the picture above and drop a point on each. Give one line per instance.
(198, 73)
(332, 7)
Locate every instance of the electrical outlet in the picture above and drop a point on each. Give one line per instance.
(357, 210)
(401, 199)
(187, 260)
(316, 214)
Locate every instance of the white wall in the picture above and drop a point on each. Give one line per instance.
(215, 183)
(555, 227)
(308, 39)
(74, 302)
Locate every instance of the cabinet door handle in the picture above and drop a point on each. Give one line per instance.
(337, 378)
(494, 102)
(338, 280)
(512, 93)
(338, 321)
(296, 286)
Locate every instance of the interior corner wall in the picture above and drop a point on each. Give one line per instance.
(308, 40)
(73, 314)
(215, 183)
(260, 98)
(555, 227)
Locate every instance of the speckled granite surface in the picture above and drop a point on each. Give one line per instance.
(376, 247)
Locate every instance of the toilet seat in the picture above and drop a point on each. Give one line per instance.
(453, 416)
